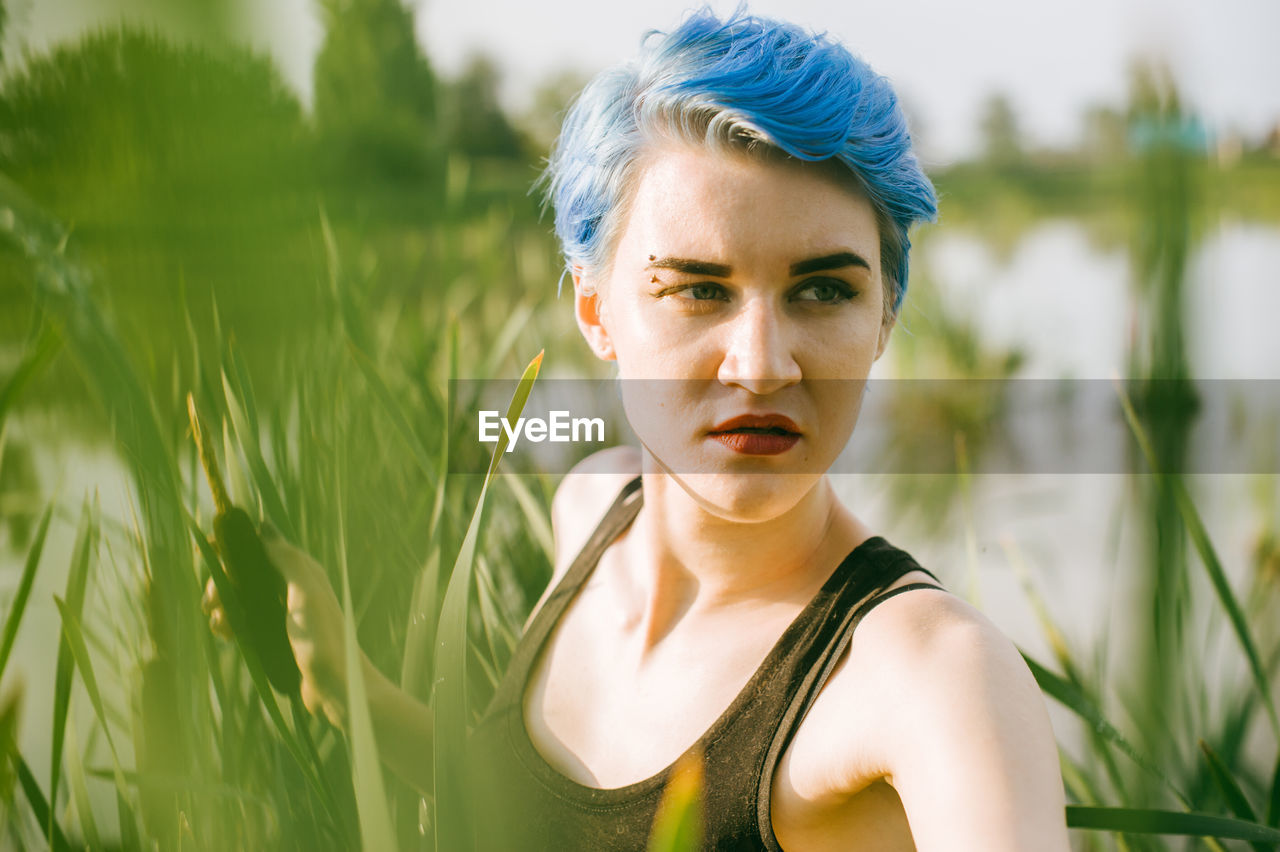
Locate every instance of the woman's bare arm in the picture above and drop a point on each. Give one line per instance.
(969, 747)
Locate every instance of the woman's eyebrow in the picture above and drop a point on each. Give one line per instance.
(720, 270)
(830, 261)
(693, 267)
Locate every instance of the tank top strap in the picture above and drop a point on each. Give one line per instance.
(617, 518)
(887, 565)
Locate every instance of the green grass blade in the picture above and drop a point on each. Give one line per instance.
(1273, 802)
(1062, 653)
(535, 515)
(517, 322)
(74, 634)
(19, 605)
(450, 715)
(40, 806)
(421, 632)
(1147, 821)
(1235, 797)
(244, 389)
(1073, 699)
(79, 791)
(262, 480)
(237, 482)
(497, 628)
(451, 373)
(1208, 556)
(77, 580)
(376, 829)
(1231, 791)
(403, 428)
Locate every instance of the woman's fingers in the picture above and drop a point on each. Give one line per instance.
(211, 605)
(210, 601)
(218, 624)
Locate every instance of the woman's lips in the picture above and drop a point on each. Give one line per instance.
(757, 435)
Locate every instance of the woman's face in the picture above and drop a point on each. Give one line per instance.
(744, 308)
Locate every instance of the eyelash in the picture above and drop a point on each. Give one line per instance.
(844, 292)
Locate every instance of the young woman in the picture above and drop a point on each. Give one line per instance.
(734, 208)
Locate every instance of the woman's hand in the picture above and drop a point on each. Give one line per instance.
(314, 623)
(316, 628)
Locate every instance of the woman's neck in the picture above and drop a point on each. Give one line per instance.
(680, 559)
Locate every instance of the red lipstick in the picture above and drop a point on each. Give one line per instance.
(757, 434)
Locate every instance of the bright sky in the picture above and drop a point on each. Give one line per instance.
(945, 57)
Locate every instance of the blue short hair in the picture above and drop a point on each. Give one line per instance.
(747, 83)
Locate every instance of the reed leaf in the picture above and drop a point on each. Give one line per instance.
(244, 390)
(403, 428)
(1073, 699)
(79, 791)
(1273, 801)
(450, 716)
(53, 833)
(451, 374)
(74, 636)
(262, 481)
(420, 636)
(1231, 792)
(376, 829)
(77, 580)
(1150, 821)
(1208, 556)
(502, 344)
(494, 624)
(20, 598)
(535, 516)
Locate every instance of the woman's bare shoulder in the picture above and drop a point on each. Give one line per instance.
(581, 499)
(963, 733)
(933, 651)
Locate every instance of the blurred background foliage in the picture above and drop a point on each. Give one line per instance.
(175, 219)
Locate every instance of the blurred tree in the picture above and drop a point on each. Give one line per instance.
(476, 124)
(184, 172)
(375, 93)
(1001, 137)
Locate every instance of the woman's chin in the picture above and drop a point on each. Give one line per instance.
(748, 498)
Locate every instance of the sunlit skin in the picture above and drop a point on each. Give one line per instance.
(694, 349)
(930, 734)
(713, 310)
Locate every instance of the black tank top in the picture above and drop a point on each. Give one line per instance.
(523, 803)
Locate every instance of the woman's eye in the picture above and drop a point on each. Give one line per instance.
(824, 290)
(703, 292)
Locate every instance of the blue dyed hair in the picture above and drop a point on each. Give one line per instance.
(746, 83)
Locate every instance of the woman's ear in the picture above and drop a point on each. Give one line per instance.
(589, 311)
(886, 329)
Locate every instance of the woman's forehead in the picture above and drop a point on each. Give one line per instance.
(694, 199)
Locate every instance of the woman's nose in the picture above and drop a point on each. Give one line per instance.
(758, 352)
